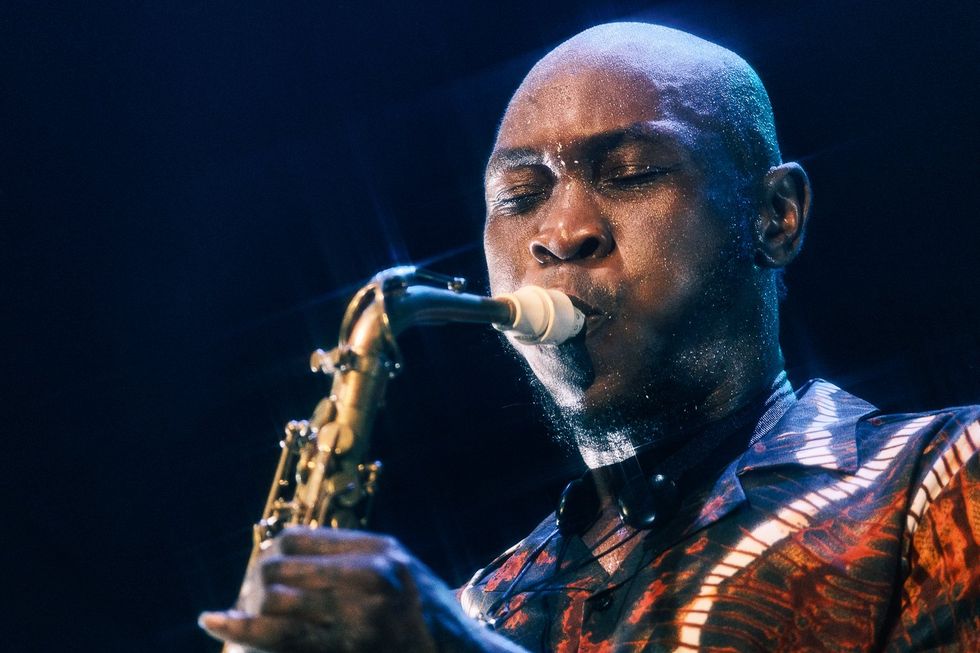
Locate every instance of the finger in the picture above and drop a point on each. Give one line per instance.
(269, 633)
(328, 541)
(312, 605)
(347, 573)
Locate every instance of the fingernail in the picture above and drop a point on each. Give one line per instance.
(212, 620)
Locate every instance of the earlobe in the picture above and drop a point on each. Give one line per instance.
(783, 214)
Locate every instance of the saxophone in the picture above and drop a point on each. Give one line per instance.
(324, 458)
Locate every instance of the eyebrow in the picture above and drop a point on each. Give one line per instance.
(654, 131)
(513, 157)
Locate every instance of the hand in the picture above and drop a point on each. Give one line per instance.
(336, 590)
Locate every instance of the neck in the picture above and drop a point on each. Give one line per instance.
(610, 439)
(695, 459)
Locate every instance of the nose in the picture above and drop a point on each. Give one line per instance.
(573, 231)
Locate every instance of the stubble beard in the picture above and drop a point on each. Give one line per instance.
(601, 434)
(607, 420)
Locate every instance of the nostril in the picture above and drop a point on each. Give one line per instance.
(584, 244)
(541, 253)
(588, 247)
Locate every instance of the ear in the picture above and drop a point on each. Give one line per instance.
(782, 216)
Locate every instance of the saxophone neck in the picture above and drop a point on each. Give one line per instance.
(408, 296)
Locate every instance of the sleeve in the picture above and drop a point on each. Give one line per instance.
(940, 600)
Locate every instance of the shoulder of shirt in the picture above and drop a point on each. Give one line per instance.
(949, 446)
(830, 428)
(933, 446)
(952, 432)
(925, 453)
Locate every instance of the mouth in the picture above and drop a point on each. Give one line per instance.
(594, 316)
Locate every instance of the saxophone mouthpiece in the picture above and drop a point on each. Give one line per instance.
(541, 316)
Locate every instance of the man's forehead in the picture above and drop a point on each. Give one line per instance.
(577, 101)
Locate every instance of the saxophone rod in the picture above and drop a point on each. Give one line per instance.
(532, 315)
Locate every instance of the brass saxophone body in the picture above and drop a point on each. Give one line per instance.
(323, 460)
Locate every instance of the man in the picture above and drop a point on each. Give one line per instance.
(637, 169)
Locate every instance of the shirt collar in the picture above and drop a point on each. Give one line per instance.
(817, 430)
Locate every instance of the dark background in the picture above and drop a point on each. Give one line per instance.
(190, 191)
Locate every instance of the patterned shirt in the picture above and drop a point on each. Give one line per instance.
(839, 529)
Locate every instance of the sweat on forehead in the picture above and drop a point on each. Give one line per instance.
(693, 79)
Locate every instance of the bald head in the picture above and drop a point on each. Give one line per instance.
(680, 76)
(636, 169)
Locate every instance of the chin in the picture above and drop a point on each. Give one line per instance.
(609, 394)
(574, 380)
(599, 396)
(565, 371)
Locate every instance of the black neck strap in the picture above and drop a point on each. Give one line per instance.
(650, 486)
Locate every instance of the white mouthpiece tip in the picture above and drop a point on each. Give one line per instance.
(542, 317)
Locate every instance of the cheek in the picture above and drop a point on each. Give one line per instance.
(670, 248)
(649, 238)
(504, 249)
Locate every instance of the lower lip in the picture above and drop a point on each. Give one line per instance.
(593, 323)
